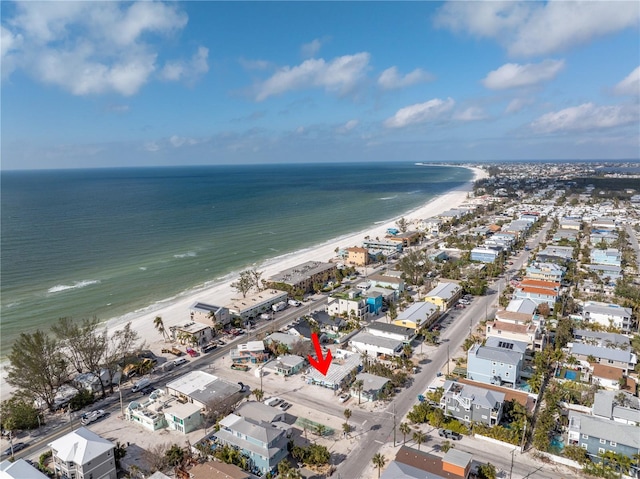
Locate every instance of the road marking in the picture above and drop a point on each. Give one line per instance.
(365, 421)
(379, 442)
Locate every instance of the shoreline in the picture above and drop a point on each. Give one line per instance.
(175, 310)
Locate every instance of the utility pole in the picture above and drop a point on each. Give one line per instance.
(394, 424)
(447, 359)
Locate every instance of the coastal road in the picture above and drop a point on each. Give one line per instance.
(633, 239)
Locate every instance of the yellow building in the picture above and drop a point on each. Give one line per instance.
(444, 295)
(357, 256)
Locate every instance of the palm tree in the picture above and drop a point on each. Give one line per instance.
(347, 414)
(379, 461)
(159, 325)
(359, 386)
(406, 350)
(258, 394)
(320, 429)
(346, 429)
(419, 437)
(404, 430)
(445, 446)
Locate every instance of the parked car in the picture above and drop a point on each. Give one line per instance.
(192, 352)
(274, 402)
(93, 416)
(180, 361)
(147, 390)
(18, 446)
(344, 397)
(284, 406)
(449, 434)
(221, 342)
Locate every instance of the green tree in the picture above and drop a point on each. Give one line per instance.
(244, 283)
(347, 414)
(37, 367)
(445, 446)
(258, 394)
(158, 323)
(359, 386)
(174, 455)
(419, 437)
(19, 414)
(487, 471)
(346, 428)
(285, 471)
(379, 461)
(404, 430)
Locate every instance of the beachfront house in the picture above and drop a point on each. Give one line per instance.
(253, 305)
(357, 256)
(304, 277)
(193, 334)
(83, 454)
(206, 313)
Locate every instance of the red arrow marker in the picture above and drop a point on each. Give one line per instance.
(321, 364)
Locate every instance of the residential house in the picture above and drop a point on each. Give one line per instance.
(537, 295)
(622, 407)
(264, 444)
(444, 295)
(406, 239)
(350, 304)
(608, 315)
(83, 454)
(217, 470)
(250, 352)
(604, 223)
(623, 359)
(597, 435)
(610, 274)
(430, 225)
(497, 362)
(607, 376)
(372, 386)
(357, 256)
(392, 331)
(391, 248)
(525, 306)
(472, 403)
(209, 313)
(601, 338)
(258, 411)
(517, 327)
(545, 271)
(565, 235)
(19, 469)
(203, 389)
(376, 346)
(287, 339)
(286, 365)
(485, 254)
(411, 463)
(538, 283)
(605, 238)
(387, 280)
(183, 417)
(343, 364)
(193, 334)
(304, 276)
(374, 300)
(255, 304)
(609, 256)
(556, 254)
(418, 315)
(160, 410)
(570, 224)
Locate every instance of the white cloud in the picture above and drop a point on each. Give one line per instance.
(348, 126)
(339, 75)
(538, 28)
(586, 117)
(513, 75)
(420, 113)
(91, 47)
(630, 85)
(473, 113)
(390, 78)
(187, 70)
(9, 43)
(311, 49)
(517, 104)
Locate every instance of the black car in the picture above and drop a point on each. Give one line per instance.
(147, 390)
(18, 446)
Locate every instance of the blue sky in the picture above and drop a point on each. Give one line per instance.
(89, 84)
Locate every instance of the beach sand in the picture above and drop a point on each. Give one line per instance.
(176, 312)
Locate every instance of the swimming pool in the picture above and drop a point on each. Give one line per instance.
(571, 375)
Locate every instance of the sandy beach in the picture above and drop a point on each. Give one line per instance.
(176, 312)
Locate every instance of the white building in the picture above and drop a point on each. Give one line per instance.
(82, 454)
(608, 315)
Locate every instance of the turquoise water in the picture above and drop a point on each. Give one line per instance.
(106, 242)
(571, 375)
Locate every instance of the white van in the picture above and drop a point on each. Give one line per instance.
(143, 383)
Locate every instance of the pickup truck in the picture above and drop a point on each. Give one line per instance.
(449, 434)
(89, 417)
(174, 351)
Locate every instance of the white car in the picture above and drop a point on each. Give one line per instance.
(180, 361)
(92, 416)
(344, 397)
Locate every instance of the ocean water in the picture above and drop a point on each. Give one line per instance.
(106, 242)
